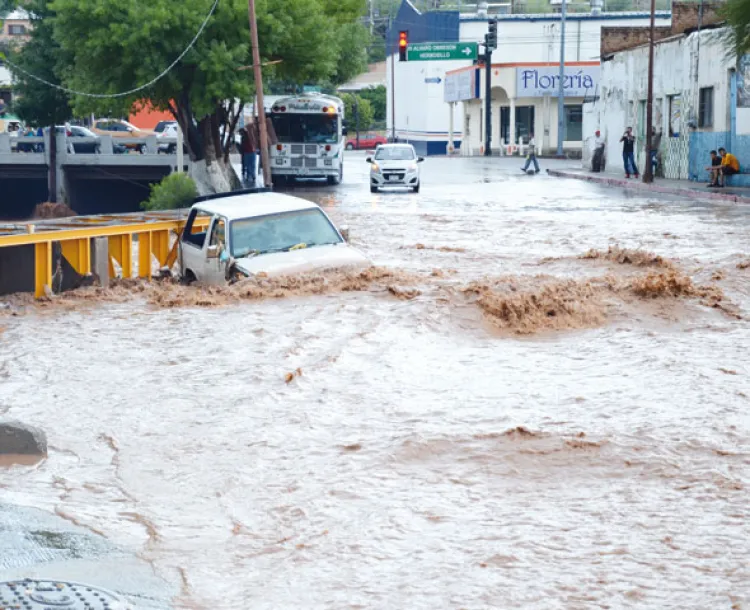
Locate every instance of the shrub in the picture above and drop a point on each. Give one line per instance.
(174, 191)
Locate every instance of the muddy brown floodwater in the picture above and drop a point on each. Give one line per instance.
(537, 399)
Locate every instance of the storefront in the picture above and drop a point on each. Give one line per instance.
(524, 102)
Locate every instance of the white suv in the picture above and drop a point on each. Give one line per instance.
(394, 165)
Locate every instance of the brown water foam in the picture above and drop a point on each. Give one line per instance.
(627, 256)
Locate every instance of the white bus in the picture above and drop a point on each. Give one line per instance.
(309, 130)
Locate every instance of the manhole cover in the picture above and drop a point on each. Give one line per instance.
(56, 595)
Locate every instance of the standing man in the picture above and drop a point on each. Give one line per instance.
(249, 154)
(597, 163)
(531, 156)
(655, 144)
(628, 158)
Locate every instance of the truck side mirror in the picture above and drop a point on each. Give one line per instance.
(369, 159)
(212, 252)
(345, 233)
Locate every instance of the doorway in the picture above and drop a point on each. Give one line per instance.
(524, 123)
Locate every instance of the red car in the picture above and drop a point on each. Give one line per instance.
(366, 140)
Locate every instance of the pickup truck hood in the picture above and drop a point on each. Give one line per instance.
(304, 260)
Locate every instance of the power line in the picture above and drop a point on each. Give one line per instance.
(4, 58)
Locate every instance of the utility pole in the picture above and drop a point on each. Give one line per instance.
(490, 43)
(259, 94)
(648, 171)
(356, 120)
(561, 90)
(393, 96)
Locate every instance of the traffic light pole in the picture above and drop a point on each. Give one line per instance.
(488, 101)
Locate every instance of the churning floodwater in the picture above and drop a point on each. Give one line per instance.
(538, 399)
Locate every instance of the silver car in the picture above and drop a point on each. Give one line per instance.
(395, 165)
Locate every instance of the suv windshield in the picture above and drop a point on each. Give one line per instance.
(395, 153)
(280, 232)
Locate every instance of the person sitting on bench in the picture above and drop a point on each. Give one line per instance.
(729, 166)
(713, 169)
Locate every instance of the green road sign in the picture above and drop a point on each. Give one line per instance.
(436, 51)
(310, 89)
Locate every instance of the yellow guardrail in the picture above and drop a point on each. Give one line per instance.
(152, 231)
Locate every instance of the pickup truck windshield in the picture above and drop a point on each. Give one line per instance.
(281, 232)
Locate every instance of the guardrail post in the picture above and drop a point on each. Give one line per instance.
(42, 267)
(4, 143)
(121, 249)
(144, 254)
(151, 145)
(105, 145)
(100, 263)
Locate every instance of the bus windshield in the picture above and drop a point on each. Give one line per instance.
(306, 128)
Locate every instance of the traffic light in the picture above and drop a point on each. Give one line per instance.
(492, 34)
(403, 40)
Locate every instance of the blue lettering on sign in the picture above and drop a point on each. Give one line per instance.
(534, 82)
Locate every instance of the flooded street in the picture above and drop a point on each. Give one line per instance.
(526, 410)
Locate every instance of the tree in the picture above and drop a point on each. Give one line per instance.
(118, 45)
(737, 15)
(377, 98)
(361, 116)
(39, 104)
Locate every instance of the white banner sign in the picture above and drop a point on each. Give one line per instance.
(460, 86)
(538, 82)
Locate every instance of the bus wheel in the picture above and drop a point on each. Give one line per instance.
(333, 180)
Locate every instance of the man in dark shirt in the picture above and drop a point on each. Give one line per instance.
(713, 169)
(628, 159)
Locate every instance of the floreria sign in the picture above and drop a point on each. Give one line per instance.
(579, 81)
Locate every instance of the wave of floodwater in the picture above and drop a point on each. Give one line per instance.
(544, 406)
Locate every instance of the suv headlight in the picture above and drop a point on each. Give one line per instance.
(375, 167)
(412, 167)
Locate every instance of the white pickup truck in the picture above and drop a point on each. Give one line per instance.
(250, 233)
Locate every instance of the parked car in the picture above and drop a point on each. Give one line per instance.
(118, 128)
(162, 125)
(395, 165)
(366, 141)
(169, 132)
(261, 232)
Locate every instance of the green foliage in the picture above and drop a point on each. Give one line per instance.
(173, 192)
(737, 15)
(6, 6)
(38, 104)
(377, 98)
(362, 116)
(119, 45)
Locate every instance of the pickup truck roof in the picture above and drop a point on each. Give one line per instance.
(246, 205)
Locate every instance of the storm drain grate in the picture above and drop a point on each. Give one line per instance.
(55, 595)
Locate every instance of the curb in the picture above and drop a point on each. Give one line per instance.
(637, 185)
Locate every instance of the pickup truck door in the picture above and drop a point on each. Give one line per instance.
(192, 243)
(214, 267)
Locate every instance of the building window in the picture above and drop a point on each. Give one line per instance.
(16, 30)
(573, 124)
(675, 115)
(706, 107)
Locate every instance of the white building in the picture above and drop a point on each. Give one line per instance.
(701, 103)
(528, 51)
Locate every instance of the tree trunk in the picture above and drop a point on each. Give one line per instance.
(210, 168)
(52, 181)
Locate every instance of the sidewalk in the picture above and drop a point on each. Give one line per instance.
(684, 188)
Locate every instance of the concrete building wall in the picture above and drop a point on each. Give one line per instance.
(683, 66)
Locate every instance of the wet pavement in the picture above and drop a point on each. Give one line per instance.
(527, 411)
